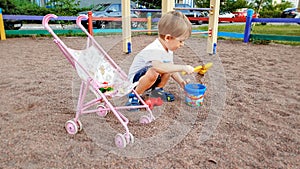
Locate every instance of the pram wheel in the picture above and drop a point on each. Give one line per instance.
(130, 139)
(145, 119)
(71, 127)
(101, 111)
(120, 141)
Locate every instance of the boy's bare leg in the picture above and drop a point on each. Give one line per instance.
(146, 81)
(164, 79)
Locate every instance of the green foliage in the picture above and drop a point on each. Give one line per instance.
(264, 7)
(16, 6)
(6, 5)
(64, 7)
(269, 14)
(257, 5)
(274, 11)
(225, 5)
(233, 5)
(25, 7)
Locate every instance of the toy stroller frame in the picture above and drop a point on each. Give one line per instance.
(74, 125)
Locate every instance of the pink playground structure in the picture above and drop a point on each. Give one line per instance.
(104, 78)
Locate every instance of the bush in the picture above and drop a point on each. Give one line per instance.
(274, 11)
(269, 14)
(25, 7)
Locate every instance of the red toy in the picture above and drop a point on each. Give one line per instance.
(151, 102)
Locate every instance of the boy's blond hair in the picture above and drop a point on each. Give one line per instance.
(176, 24)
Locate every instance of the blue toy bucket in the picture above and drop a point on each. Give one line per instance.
(194, 94)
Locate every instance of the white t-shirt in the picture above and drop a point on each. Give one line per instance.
(154, 51)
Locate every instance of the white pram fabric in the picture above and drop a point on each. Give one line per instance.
(92, 64)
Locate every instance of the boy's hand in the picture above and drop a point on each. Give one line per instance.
(184, 82)
(188, 69)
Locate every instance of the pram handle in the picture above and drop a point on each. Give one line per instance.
(78, 23)
(48, 17)
(45, 23)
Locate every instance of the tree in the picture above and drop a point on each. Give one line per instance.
(26, 7)
(257, 5)
(17, 6)
(6, 5)
(65, 4)
(225, 5)
(233, 5)
(274, 11)
(64, 7)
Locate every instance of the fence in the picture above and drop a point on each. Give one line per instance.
(149, 18)
(146, 18)
(250, 20)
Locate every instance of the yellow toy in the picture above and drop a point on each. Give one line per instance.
(202, 69)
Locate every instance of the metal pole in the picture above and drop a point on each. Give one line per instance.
(2, 30)
(213, 27)
(149, 22)
(248, 25)
(90, 22)
(126, 26)
(167, 6)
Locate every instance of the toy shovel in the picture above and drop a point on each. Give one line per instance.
(202, 69)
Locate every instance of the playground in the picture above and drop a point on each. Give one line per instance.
(257, 127)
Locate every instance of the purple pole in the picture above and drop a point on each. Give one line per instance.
(248, 25)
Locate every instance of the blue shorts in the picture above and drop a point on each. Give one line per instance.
(141, 73)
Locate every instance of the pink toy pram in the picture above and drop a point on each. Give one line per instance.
(97, 70)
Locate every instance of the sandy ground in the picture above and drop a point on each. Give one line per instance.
(250, 117)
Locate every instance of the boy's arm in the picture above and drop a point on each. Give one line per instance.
(176, 76)
(171, 68)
